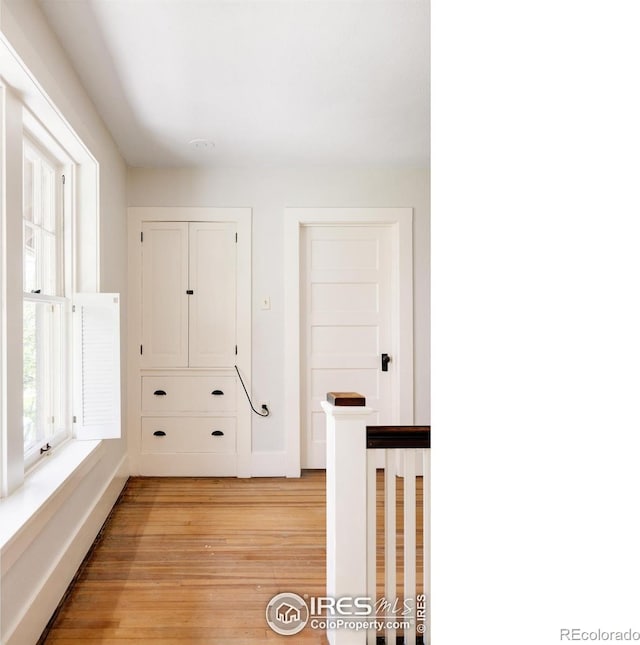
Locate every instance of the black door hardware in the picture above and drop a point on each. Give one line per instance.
(217, 433)
(386, 359)
(159, 393)
(217, 393)
(159, 433)
(189, 292)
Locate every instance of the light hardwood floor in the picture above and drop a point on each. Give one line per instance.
(191, 560)
(196, 560)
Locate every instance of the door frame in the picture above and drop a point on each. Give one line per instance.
(400, 221)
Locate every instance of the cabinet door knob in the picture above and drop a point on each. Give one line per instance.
(217, 433)
(159, 433)
(217, 393)
(159, 393)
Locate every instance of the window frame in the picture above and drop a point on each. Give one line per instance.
(57, 376)
(25, 106)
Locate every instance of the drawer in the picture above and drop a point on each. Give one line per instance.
(189, 434)
(188, 393)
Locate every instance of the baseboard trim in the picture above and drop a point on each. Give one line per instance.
(44, 601)
(45, 634)
(269, 464)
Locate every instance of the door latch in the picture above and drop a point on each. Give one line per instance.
(386, 359)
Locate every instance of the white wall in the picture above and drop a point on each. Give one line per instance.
(66, 537)
(268, 191)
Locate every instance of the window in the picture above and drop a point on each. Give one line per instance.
(45, 303)
(60, 349)
(41, 222)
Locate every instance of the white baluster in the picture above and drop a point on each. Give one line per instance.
(409, 456)
(390, 590)
(371, 532)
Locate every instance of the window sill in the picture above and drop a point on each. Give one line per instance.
(27, 510)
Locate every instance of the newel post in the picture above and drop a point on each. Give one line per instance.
(347, 417)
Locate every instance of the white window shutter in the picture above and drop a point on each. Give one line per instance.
(96, 330)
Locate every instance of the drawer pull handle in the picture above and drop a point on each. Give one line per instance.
(159, 393)
(217, 393)
(159, 433)
(217, 433)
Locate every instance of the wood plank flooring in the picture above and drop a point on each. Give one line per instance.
(196, 560)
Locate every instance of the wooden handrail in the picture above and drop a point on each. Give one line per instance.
(398, 436)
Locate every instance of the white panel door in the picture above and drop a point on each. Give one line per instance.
(165, 313)
(346, 324)
(212, 306)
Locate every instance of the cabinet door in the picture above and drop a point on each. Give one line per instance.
(212, 307)
(165, 306)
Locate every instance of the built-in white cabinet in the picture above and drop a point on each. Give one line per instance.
(190, 306)
(188, 294)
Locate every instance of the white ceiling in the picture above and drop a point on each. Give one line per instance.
(282, 82)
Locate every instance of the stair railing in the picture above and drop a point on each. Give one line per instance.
(358, 549)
